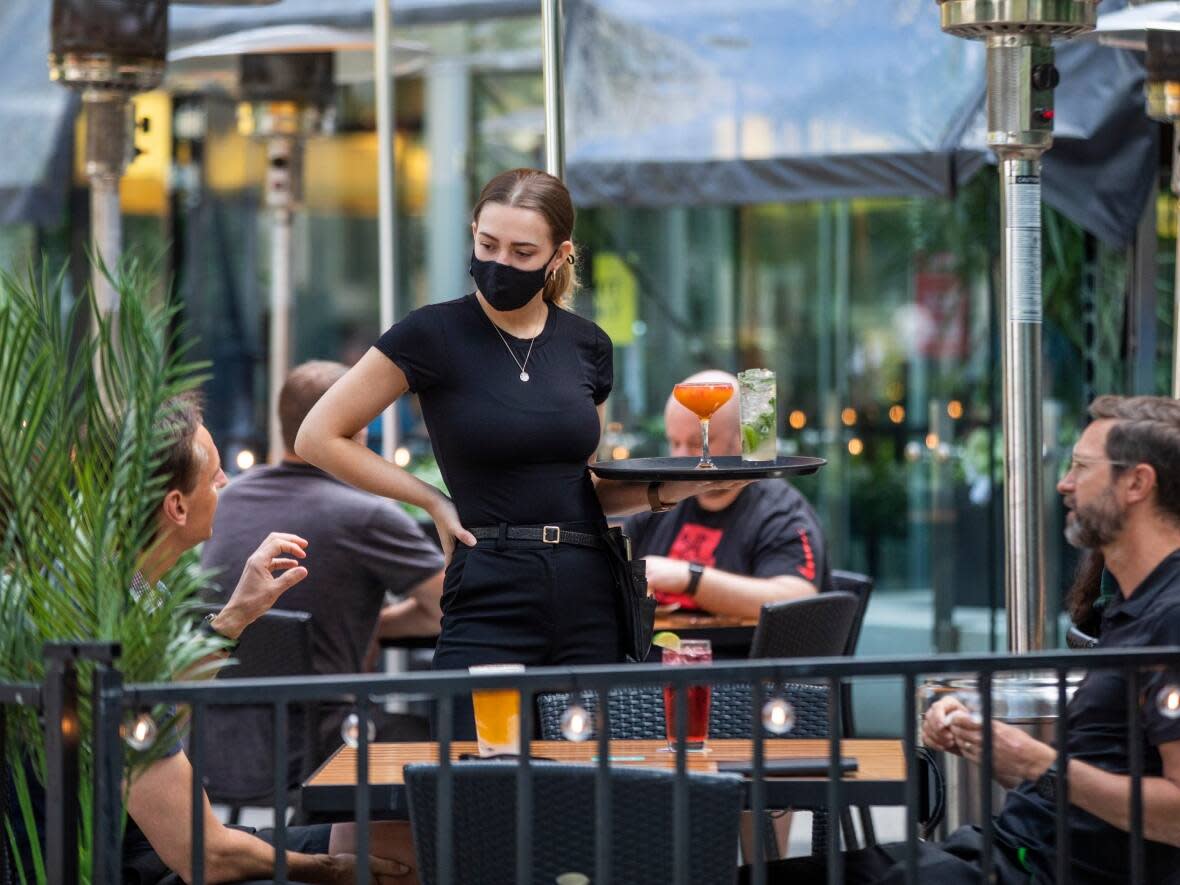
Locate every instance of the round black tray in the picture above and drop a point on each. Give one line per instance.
(728, 467)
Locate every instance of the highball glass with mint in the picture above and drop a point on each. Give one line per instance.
(758, 407)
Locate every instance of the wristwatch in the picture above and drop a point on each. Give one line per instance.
(1046, 784)
(653, 498)
(695, 570)
(207, 627)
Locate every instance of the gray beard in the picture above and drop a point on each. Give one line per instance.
(1096, 526)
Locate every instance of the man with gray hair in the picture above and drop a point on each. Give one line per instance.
(363, 547)
(728, 552)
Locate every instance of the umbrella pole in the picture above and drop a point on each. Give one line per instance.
(386, 189)
(554, 96)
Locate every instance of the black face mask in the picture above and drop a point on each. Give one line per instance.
(506, 287)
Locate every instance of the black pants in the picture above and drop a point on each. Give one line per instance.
(525, 602)
(957, 861)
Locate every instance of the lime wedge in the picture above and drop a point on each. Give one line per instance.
(664, 639)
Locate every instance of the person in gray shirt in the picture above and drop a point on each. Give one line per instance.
(363, 548)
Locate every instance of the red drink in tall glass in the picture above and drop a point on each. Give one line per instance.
(697, 697)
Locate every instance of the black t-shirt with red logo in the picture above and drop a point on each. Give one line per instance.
(770, 530)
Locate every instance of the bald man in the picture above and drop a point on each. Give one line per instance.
(729, 552)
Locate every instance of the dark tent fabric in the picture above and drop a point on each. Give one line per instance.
(36, 119)
(689, 101)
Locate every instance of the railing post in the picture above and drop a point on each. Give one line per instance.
(107, 704)
(63, 736)
(5, 795)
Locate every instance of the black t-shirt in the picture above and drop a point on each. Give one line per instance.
(768, 531)
(1097, 716)
(509, 450)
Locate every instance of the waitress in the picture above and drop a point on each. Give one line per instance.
(513, 387)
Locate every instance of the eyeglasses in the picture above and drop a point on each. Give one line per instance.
(1080, 465)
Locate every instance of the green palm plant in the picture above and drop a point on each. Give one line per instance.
(80, 441)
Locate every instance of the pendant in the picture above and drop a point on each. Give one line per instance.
(524, 376)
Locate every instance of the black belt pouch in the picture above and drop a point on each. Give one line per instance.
(637, 610)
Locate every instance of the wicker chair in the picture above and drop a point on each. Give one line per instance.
(239, 743)
(812, 627)
(483, 842)
(638, 714)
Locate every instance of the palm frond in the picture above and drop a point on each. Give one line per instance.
(80, 444)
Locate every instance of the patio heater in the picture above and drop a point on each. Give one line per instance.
(1021, 78)
(1154, 28)
(108, 50)
(286, 97)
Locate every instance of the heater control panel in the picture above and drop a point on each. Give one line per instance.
(1021, 80)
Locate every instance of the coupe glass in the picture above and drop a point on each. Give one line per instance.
(703, 399)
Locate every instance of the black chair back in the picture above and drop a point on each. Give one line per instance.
(812, 627)
(239, 747)
(483, 841)
(860, 586)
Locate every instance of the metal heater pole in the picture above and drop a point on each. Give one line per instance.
(108, 139)
(283, 167)
(386, 189)
(1020, 80)
(554, 92)
(1020, 208)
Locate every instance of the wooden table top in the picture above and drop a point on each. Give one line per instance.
(697, 620)
(877, 760)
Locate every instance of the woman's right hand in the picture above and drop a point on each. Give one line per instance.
(450, 529)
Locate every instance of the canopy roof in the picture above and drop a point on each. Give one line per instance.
(691, 101)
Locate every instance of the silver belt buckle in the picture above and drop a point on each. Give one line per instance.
(551, 534)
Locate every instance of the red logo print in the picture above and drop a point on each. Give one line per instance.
(696, 543)
(807, 569)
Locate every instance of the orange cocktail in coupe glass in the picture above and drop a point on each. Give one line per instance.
(703, 399)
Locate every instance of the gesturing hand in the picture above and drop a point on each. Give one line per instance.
(259, 588)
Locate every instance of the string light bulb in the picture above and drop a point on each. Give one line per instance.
(140, 731)
(778, 716)
(350, 731)
(1168, 701)
(576, 723)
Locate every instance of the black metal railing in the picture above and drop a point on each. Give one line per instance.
(113, 700)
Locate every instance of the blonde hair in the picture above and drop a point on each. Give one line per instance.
(546, 195)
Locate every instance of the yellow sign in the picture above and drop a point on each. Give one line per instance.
(615, 297)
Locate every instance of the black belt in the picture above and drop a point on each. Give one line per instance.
(548, 534)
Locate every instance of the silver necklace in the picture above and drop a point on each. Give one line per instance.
(524, 376)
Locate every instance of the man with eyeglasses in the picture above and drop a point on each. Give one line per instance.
(1122, 494)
